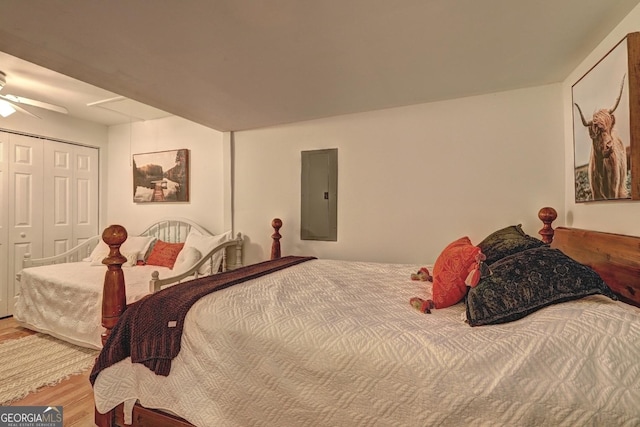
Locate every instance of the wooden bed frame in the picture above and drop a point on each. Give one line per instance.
(615, 257)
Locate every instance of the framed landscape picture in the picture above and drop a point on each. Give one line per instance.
(162, 176)
(606, 126)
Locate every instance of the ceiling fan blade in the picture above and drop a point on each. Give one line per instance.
(35, 103)
(18, 107)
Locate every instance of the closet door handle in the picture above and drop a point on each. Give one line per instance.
(23, 234)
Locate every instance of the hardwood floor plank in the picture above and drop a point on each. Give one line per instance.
(74, 394)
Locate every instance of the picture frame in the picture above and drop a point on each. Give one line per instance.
(606, 126)
(161, 177)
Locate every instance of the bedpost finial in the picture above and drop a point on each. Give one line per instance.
(114, 235)
(547, 215)
(275, 244)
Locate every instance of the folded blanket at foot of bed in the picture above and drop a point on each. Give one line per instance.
(150, 330)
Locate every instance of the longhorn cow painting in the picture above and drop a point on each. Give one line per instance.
(161, 176)
(602, 129)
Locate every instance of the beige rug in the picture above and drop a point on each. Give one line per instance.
(38, 360)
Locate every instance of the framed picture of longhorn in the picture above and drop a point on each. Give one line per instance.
(606, 126)
(161, 176)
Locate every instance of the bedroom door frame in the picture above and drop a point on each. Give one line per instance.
(4, 217)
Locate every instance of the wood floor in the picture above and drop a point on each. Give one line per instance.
(74, 394)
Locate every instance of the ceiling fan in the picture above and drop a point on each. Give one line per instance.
(12, 103)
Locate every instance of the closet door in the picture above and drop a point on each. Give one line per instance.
(25, 224)
(85, 188)
(4, 235)
(70, 195)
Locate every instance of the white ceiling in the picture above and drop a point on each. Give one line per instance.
(245, 64)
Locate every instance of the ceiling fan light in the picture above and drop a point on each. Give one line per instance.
(6, 109)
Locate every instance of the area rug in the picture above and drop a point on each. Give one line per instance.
(31, 362)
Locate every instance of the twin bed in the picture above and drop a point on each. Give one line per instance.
(62, 295)
(302, 341)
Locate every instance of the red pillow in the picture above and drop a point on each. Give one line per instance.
(450, 271)
(164, 254)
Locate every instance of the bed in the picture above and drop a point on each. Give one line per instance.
(326, 342)
(62, 295)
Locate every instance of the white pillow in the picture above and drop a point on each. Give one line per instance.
(138, 245)
(99, 252)
(144, 252)
(132, 259)
(205, 244)
(187, 257)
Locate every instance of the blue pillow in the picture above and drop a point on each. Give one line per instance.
(528, 281)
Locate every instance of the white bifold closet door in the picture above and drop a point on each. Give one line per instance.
(52, 198)
(70, 196)
(24, 199)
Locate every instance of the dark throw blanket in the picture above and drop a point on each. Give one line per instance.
(150, 330)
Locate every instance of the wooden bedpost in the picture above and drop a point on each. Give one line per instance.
(104, 420)
(114, 300)
(275, 245)
(547, 215)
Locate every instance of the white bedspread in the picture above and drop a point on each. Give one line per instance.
(333, 343)
(65, 300)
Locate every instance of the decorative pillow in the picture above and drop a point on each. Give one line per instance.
(507, 241)
(138, 245)
(450, 271)
(205, 244)
(528, 281)
(164, 254)
(187, 257)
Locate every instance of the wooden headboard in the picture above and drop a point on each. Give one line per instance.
(615, 257)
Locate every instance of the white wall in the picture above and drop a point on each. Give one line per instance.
(611, 216)
(206, 192)
(411, 179)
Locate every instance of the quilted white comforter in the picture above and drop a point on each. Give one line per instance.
(333, 343)
(65, 300)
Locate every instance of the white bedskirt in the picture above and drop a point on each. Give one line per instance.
(65, 300)
(334, 343)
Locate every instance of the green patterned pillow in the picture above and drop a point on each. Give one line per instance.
(528, 281)
(507, 241)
